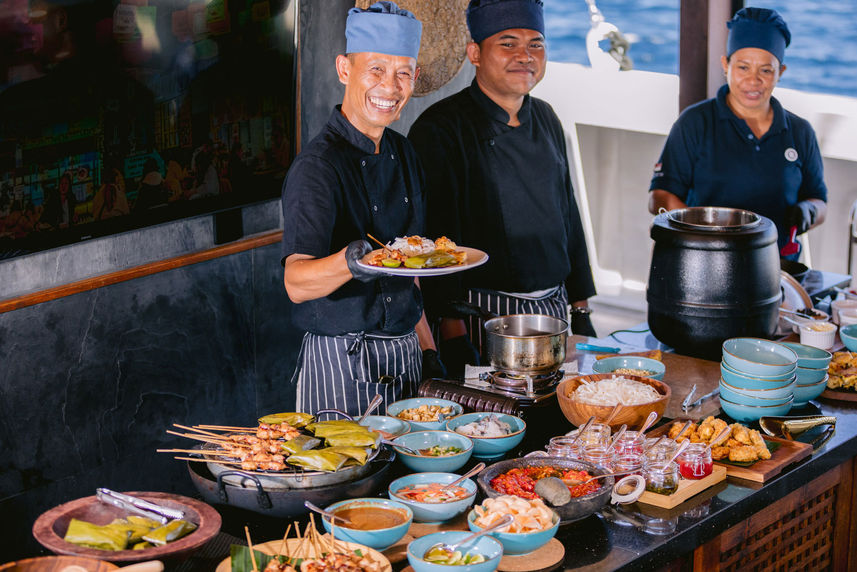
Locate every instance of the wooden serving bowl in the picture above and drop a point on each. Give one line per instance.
(631, 415)
(50, 528)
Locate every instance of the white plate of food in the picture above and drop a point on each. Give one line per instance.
(411, 250)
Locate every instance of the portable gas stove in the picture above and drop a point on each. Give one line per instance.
(528, 389)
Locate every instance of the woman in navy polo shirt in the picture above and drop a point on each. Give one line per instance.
(741, 149)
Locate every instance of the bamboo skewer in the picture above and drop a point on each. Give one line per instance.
(376, 240)
(250, 545)
(225, 428)
(194, 429)
(217, 441)
(201, 460)
(196, 451)
(284, 546)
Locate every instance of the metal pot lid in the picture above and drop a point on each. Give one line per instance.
(713, 219)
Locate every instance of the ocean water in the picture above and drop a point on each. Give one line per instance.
(822, 57)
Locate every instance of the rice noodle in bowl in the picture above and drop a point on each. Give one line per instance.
(616, 390)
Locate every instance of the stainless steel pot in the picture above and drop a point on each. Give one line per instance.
(526, 344)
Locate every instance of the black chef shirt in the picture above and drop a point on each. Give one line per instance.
(505, 190)
(337, 191)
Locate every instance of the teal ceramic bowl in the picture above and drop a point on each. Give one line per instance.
(395, 408)
(809, 356)
(379, 539)
(491, 447)
(806, 376)
(803, 393)
(426, 439)
(611, 364)
(490, 548)
(434, 512)
(770, 393)
(744, 381)
(515, 543)
(392, 426)
(758, 357)
(848, 335)
(749, 413)
(743, 399)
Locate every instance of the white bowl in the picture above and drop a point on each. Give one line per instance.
(818, 338)
(838, 305)
(847, 316)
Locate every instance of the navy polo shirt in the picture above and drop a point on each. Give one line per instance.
(339, 190)
(505, 190)
(712, 158)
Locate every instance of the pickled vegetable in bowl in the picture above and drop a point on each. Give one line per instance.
(439, 555)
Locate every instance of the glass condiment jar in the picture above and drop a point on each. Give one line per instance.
(631, 442)
(695, 461)
(661, 479)
(630, 462)
(597, 434)
(601, 455)
(564, 446)
(660, 453)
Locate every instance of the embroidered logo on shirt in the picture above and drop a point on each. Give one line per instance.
(791, 154)
(658, 167)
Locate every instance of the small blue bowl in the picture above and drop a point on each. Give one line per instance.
(393, 426)
(397, 407)
(744, 399)
(424, 440)
(379, 539)
(491, 447)
(848, 335)
(744, 381)
(758, 357)
(434, 512)
(807, 376)
(803, 393)
(515, 543)
(611, 364)
(749, 413)
(772, 393)
(809, 356)
(490, 548)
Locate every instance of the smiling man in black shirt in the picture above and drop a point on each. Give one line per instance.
(497, 178)
(364, 330)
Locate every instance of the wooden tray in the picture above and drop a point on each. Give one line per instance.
(686, 489)
(787, 453)
(839, 395)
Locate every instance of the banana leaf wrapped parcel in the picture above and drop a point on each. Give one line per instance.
(318, 460)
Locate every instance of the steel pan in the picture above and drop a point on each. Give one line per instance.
(526, 344)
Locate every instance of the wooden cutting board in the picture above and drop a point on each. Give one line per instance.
(787, 453)
(686, 489)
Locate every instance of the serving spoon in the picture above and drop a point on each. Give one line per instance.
(724, 433)
(326, 513)
(450, 548)
(682, 446)
(583, 430)
(373, 405)
(650, 420)
(476, 469)
(407, 450)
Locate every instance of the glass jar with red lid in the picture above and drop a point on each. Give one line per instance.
(695, 461)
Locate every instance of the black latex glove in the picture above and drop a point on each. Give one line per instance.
(432, 366)
(355, 251)
(582, 325)
(458, 352)
(801, 215)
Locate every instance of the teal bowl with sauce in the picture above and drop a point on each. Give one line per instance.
(381, 522)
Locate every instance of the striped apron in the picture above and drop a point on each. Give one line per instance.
(554, 304)
(346, 372)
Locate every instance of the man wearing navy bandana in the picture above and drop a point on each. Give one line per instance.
(364, 329)
(741, 149)
(497, 178)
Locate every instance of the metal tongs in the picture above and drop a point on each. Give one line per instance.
(688, 403)
(139, 506)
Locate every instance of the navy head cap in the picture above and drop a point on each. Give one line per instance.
(488, 17)
(758, 28)
(383, 28)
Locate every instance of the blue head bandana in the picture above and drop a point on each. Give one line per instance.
(383, 28)
(758, 28)
(488, 17)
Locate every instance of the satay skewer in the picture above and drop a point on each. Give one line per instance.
(202, 438)
(226, 428)
(376, 240)
(218, 453)
(250, 545)
(284, 546)
(203, 432)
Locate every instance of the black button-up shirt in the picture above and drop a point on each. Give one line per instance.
(339, 190)
(505, 190)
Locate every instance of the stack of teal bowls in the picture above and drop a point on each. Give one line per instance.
(812, 375)
(757, 378)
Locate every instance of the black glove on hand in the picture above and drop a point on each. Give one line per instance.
(458, 352)
(355, 251)
(801, 215)
(582, 325)
(432, 366)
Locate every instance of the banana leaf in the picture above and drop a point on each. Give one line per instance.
(239, 557)
(354, 439)
(142, 545)
(169, 532)
(329, 430)
(143, 521)
(295, 419)
(356, 455)
(85, 533)
(318, 460)
(333, 424)
(136, 531)
(300, 443)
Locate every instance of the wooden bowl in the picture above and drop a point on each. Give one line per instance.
(51, 526)
(631, 415)
(57, 564)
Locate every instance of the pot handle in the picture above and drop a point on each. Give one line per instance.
(337, 411)
(262, 498)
